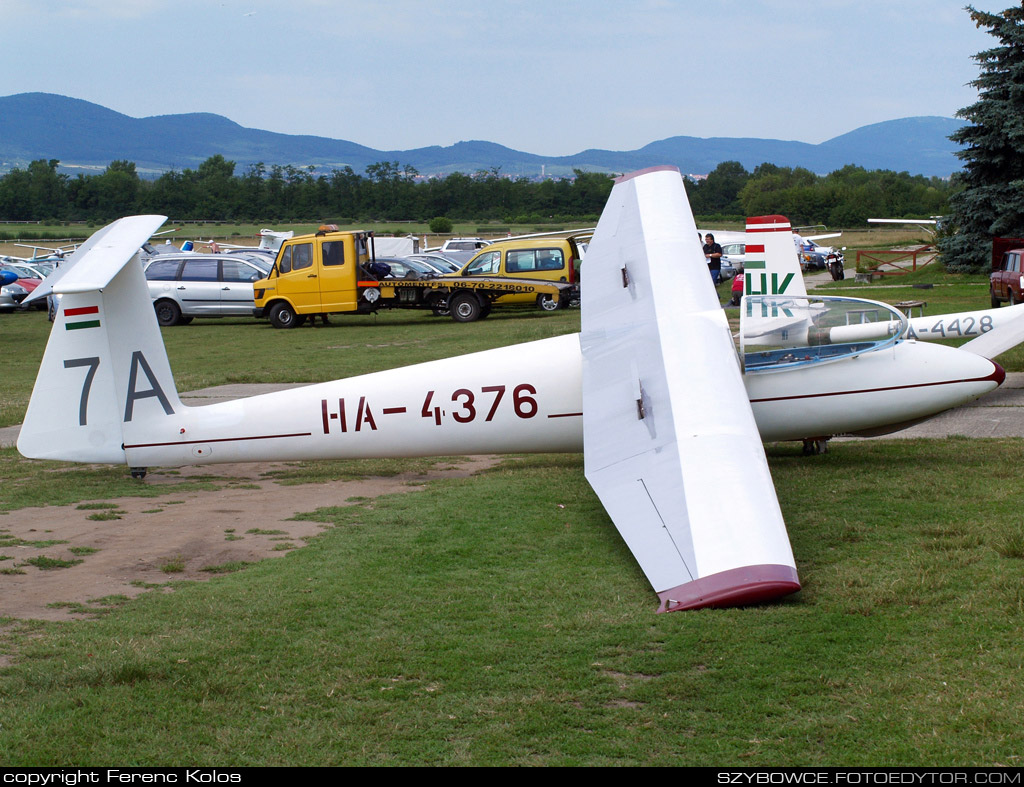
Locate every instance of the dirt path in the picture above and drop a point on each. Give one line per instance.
(170, 537)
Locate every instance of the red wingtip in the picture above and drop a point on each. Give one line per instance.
(734, 588)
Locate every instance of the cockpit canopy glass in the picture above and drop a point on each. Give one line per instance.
(781, 332)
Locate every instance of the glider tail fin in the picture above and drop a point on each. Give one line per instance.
(772, 266)
(105, 368)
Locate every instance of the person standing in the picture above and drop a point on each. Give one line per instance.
(713, 254)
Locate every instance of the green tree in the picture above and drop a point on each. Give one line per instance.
(991, 201)
(719, 193)
(117, 191)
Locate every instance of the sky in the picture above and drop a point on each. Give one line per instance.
(551, 77)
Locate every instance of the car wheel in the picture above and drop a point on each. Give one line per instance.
(464, 307)
(167, 313)
(547, 303)
(996, 303)
(283, 316)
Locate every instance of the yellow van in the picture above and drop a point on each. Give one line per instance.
(540, 259)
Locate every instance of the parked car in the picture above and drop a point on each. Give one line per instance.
(1006, 282)
(184, 286)
(462, 249)
(34, 269)
(27, 278)
(407, 268)
(815, 257)
(439, 262)
(545, 259)
(11, 296)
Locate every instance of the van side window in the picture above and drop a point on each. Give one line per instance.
(550, 260)
(334, 252)
(302, 256)
(519, 261)
(236, 270)
(285, 263)
(163, 270)
(199, 270)
(528, 260)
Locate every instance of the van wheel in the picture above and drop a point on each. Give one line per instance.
(167, 313)
(547, 303)
(464, 307)
(283, 316)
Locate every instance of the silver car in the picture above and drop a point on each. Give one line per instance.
(11, 295)
(184, 286)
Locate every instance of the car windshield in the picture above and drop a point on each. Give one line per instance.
(416, 265)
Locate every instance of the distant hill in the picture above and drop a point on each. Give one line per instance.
(86, 136)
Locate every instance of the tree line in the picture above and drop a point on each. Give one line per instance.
(389, 191)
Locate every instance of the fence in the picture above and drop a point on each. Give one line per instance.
(894, 262)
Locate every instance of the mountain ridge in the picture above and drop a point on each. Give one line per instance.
(85, 136)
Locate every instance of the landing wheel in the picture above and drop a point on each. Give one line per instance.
(139, 472)
(816, 446)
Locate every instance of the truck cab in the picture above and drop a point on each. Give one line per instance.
(539, 259)
(315, 274)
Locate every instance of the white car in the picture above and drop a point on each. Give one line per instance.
(461, 250)
(184, 286)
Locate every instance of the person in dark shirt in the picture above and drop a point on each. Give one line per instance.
(713, 253)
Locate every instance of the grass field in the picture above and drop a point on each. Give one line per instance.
(500, 620)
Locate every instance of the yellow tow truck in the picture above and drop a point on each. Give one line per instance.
(334, 272)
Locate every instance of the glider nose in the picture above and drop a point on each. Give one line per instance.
(999, 375)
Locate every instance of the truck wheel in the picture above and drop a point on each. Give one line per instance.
(547, 303)
(1013, 298)
(464, 307)
(283, 316)
(439, 307)
(996, 303)
(167, 313)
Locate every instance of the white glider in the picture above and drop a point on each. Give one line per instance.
(669, 416)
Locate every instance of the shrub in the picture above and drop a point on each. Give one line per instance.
(440, 225)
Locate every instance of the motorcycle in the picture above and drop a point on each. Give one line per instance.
(834, 263)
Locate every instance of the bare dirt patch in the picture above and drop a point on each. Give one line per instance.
(155, 540)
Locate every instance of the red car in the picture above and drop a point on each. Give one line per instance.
(1006, 283)
(27, 279)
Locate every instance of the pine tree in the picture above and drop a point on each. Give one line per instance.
(991, 202)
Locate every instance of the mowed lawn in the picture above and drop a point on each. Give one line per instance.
(500, 619)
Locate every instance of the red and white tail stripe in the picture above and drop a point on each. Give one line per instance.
(768, 224)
